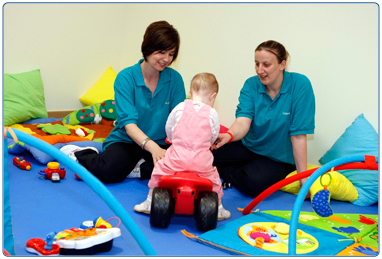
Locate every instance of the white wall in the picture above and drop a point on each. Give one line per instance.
(335, 45)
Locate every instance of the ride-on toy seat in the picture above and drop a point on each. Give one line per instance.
(184, 193)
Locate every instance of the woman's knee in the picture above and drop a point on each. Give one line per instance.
(111, 171)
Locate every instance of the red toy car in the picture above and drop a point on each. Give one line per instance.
(184, 193)
(21, 163)
(52, 171)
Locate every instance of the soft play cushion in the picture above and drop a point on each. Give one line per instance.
(366, 183)
(88, 114)
(24, 97)
(19, 147)
(108, 111)
(341, 188)
(92, 114)
(360, 138)
(295, 186)
(102, 90)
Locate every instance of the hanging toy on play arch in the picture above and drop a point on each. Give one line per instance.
(320, 200)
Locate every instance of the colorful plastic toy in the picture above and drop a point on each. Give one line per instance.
(43, 247)
(86, 242)
(55, 177)
(49, 240)
(53, 172)
(184, 193)
(97, 223)
(74, 241)
(21, 163)
(93, 238)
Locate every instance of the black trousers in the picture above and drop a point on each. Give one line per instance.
(247, 171)
(117, 161)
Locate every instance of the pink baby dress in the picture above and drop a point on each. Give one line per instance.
(190, 149)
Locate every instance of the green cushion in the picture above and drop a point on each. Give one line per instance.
(23, 97)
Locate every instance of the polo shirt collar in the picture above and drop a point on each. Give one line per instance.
(286, 82)
(138, 73)
(284, 87)
(163, 77)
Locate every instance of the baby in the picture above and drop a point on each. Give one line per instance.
(192, 127)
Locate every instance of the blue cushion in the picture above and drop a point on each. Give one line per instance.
(366, 183)
(40, 121)
(40, 156)
(360, 138)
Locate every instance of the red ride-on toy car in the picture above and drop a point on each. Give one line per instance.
(184, 193)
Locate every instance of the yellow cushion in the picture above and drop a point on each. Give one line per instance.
(102, 90)
(340, 188)
(295, 186)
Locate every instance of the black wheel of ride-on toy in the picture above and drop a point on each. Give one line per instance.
(162, 207)
(206, 211)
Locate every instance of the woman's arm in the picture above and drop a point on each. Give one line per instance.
(299, 146)
(238, 130)
(138, 136)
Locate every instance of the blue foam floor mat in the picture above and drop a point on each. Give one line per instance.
(39, 206)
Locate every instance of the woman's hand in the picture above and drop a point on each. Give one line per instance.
(302, 182)
(138, 136)
(223, 138)
(156, 151)
(299, 146)
(238, 130)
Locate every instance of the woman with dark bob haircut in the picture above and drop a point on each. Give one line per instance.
(145, 94)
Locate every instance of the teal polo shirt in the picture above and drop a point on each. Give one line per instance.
(134, 103)
(274, 121)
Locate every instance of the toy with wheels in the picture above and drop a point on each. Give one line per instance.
(92, 237)
(184, 193)
(21, 163)
(53, 172)
(89, 241)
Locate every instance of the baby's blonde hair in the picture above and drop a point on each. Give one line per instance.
(205, 82)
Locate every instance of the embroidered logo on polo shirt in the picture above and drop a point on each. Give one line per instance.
(286, 113)
(167, 103)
